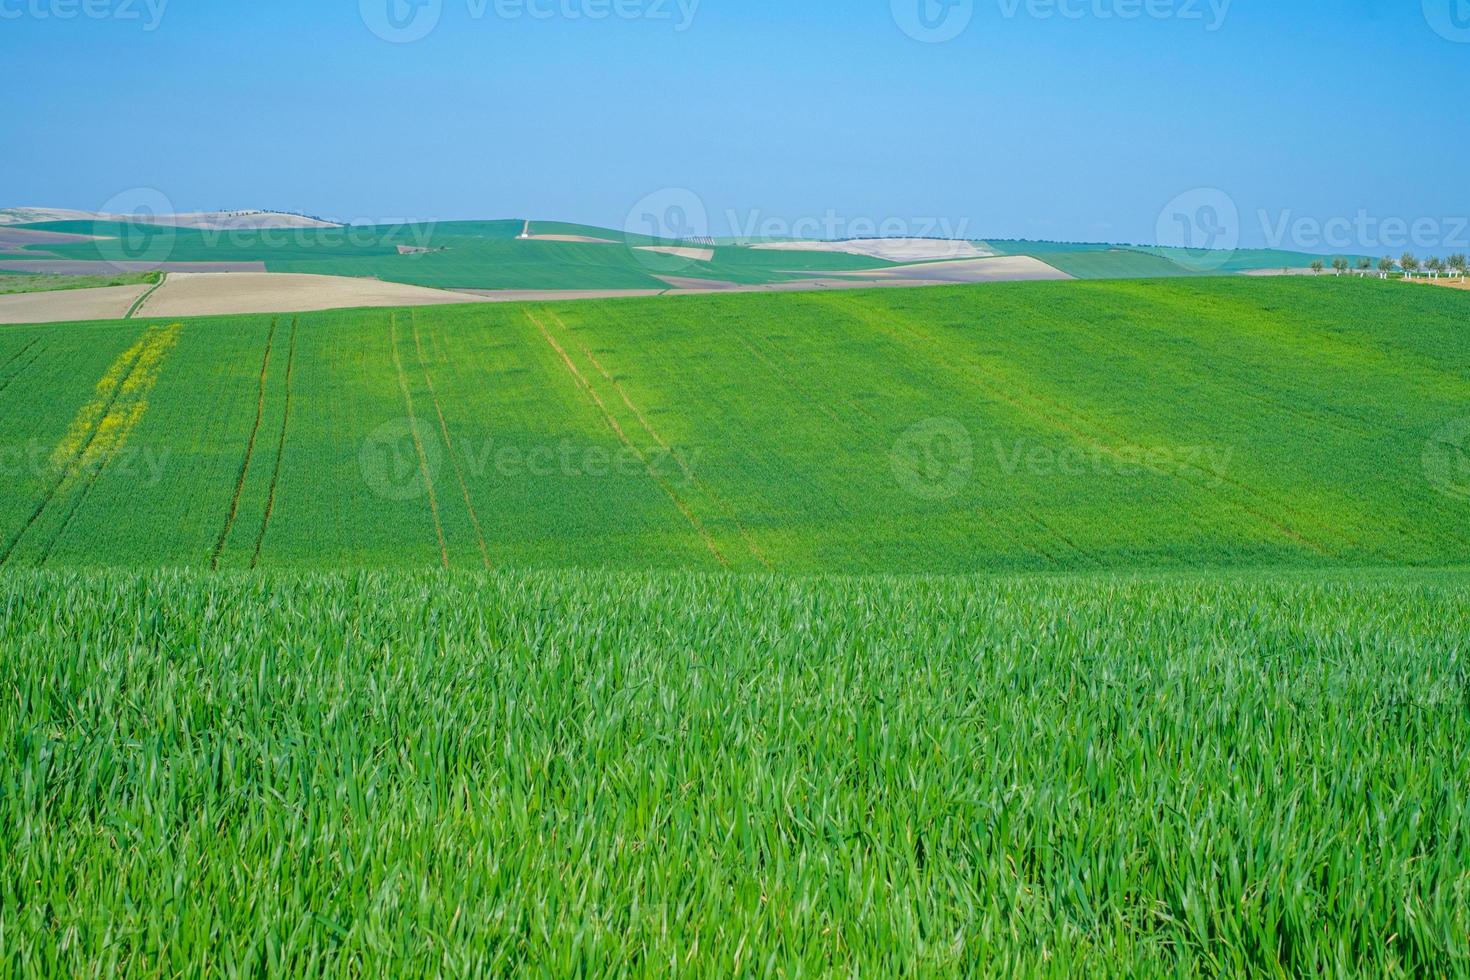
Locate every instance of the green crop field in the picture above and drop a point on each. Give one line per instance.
(1064, 628)
(455, 254)
(25, 282)
(1027, 426)
(570, 773)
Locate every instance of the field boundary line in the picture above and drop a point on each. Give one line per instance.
(663, 444)
(139, 381)
(270, 496)
(265, 364)
(138, 303)
(448, 443)
(699, 528)
(418, 443)
(133, 355)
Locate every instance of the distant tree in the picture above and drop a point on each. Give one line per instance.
(1409, 264)
(1458, 264)
(1364, 265)
(1435, 266)
(1316, 266)
(1339, 266)
(1385, 266)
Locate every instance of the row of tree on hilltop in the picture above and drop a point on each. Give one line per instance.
(1434, 267)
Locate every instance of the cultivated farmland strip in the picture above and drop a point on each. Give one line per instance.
(224, 533)
(270, 497)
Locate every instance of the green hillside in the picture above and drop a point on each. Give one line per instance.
(1099, 261)
(1172, 724)
(1029, 426)
(446, 255)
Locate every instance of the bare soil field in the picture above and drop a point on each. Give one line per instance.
(81, 267)
(64, 305)
(207, 294)
(888, 249)
(11, 237)
(200, 220)
(555, 295)
(680, 251)
(573, 239)
(997, 268)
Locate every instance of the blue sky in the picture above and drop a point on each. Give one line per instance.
(1062, 119)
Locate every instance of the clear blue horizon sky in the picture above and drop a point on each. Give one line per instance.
(1057, 119)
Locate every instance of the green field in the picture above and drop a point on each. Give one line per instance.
(461, 254)
(1029, 426)
(26, 282)
(1098, 261)
(563, 773)
(488, 255)
(1066, 628)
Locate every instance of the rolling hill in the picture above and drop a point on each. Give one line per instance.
(1044, 426)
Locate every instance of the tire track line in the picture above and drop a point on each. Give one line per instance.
(418, 445)
(448, 443)
(662, 444)
(224, 533)
(132, 401)
(20, 370)
(1068, 420)
(699, 528)
(20, 353)
(270, 497)
(138, 303)
(64, 470)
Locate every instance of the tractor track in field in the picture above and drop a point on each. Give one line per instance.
(138, 303)
(224, 534)
(1070, 422)
(20, 353)
(448, 443)
(418, 443)
(700, 529)
(785, 378)
(64, 471)
(662, 444)
(270, 497)
(93, 474)
(22, 369)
